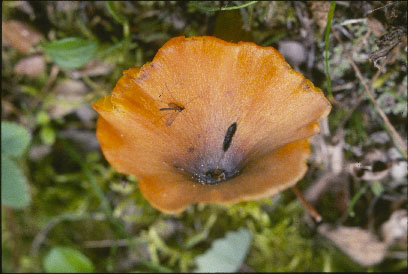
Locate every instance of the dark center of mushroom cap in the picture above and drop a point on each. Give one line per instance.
(214, 164)
(209, 173)
(207, 170)
(215, 176)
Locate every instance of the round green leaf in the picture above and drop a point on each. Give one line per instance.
(65, 259)
(71, 53)
(42, 117)
(47, 135)
(14, 139)
(226, 254)
(14, 188)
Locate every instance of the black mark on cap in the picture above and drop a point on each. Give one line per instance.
(228, 136)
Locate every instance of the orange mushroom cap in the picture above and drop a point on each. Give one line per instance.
(208, 121)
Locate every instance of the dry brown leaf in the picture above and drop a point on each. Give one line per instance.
(360, 245)
(375, 26)
(399, 171)
(20, 35)
(93, 68)
(387, 43)
(394, 231)
(30, 66)
(25, 7)
(69, 96)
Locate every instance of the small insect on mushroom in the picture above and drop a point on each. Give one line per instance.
(228, 136)
(177, 109)
(171, 106)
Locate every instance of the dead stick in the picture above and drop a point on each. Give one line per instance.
(307, 205)
(394, 134)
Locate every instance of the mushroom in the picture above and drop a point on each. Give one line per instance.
(243, 119)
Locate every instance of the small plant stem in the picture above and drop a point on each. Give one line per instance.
(239, 6)
(307, 205)
(202, 7)
(354, 200)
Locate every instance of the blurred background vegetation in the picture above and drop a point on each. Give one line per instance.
(64, 208)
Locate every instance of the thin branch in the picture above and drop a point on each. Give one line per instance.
(362, 42)
(387, 5)
(307, 205)
(361, 97)
(239, 6)
(398, 141)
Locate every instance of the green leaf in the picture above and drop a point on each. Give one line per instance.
(377, 188)
(14, 139)
(226, 254)
(42, 118)
(47, 135)
(112, 10)
(65, 259)
(14, 188)
(71, 53)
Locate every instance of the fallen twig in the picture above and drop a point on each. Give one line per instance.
(361, 97)
(307, 205)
